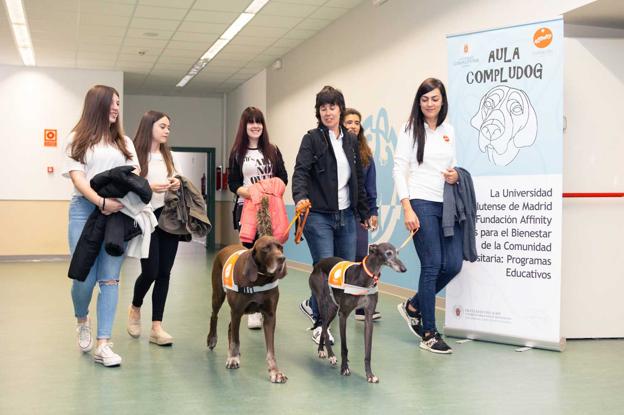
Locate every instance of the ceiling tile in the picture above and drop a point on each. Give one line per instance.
(152, 12)
(198, 47)
(328, 13)
(260, 42)
(314, 24)
(301, 34)
(287, 9)
(346, 4)
(260, 31)
(237, 6)
(154, 24)
(206, 16)
(101, 8)
(199, 27)
(180, 4)
(93, 19)
(141, 34)
(206, 38)
(275, 21)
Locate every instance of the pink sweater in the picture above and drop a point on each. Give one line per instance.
(274, 189)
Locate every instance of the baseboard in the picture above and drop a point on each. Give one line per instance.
(34, 258)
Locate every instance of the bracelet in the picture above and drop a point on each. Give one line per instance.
(103, 203)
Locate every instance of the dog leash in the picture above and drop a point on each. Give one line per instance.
(305, 210)
(407, 240)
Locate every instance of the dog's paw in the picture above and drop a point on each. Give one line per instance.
(233, 362)
(333, 360)
(345, 371)
(211, 342)
(322, 354)
(372, 378)
(278, 377)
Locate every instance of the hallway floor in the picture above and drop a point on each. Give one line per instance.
(42, 371)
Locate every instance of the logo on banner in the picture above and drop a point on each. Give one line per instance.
(458, 311)
(542, 37)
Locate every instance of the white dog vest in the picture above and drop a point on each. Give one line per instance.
(227, 277)
(336, 279)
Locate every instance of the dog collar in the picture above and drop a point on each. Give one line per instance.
(375, 277)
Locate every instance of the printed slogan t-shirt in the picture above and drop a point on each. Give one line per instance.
(255, 168)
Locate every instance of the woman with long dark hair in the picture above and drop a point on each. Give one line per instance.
(157, 167)
(352, 121)
(253, 158)
(424, 160)
(97, 143)
(328, 175)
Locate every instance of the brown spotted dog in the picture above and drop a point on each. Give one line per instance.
(248, 278)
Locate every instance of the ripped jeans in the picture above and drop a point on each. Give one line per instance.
(105, 271)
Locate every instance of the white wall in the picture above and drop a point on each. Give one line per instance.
(34, 99)
(250, 94)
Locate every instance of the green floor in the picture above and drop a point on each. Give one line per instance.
(42, 372)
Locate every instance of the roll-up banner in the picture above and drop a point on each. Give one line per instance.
(506, 103)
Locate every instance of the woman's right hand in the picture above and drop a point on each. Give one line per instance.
(411, 220)
(111, 205)
(160, 187)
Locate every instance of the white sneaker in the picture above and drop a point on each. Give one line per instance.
(104, 354)
(316, 335)
(85, 340)
(254, 321)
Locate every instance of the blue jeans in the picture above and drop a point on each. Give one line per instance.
(440, 258)
(105, 268)
(330, 234)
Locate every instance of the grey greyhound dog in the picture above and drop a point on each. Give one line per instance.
(342, 286)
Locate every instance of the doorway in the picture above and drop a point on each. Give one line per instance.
(198, 165)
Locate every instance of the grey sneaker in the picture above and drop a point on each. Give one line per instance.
(307, 310)
(104, 354)
(316, 335)
(83, 335)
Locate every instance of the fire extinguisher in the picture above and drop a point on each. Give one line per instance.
(219, 178)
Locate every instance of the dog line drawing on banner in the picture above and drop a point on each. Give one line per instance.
(506, 122)
(382, 140)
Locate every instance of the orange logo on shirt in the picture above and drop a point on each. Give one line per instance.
(446, 138)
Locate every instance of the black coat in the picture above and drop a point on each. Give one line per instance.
(316, 173)
(112, 230)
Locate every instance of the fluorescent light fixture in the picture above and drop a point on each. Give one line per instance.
(21, 33)
(255, 6)
(236, 27)
(229, 34)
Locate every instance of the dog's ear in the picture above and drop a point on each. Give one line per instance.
(372, 248)
(250, 269)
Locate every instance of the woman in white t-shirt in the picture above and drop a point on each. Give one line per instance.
(96, 144)
(424, 159)
(157, 167)
(253, 158)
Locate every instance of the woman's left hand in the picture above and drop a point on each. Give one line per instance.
(450, 176)
(174, 184)
(372, 223)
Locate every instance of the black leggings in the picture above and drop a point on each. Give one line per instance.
(157, 269)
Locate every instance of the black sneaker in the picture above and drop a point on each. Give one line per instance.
(413, 319)
(434, 343)
(359, 314)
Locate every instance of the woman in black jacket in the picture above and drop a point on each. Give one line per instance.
(253, 158)
(328, 174)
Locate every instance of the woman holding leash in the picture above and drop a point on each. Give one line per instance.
(423, 161)
(96, 144)
(157, 167)
(328, 175)
(353, 123)
(253, 158)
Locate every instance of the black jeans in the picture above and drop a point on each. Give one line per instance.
(156, 269)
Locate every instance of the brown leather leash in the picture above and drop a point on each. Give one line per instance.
(304, 209)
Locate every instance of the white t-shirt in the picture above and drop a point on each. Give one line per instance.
(157, 173)
(344, 170)
(99, 158)
(424, 181)
(255, 168)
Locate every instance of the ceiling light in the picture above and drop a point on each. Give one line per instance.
(21, 33)
(229, 34)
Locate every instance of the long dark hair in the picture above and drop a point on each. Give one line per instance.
(143, 142)
(416, 120)
(94, 124)
(241, 142)
(329, 95)
(366, 153)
